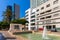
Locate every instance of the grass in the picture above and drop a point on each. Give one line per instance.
(38, 37)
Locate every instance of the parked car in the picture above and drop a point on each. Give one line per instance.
(41, 29)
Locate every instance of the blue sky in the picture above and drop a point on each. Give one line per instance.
(24, 5)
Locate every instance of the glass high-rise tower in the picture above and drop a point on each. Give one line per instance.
(35, 3)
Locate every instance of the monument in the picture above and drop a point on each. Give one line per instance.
(44, 35)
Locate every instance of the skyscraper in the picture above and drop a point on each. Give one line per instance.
(35, 3)
(16, 11)
(9, 7)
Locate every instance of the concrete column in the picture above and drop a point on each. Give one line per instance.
(21, 28)
(29, 28)
(52, 28)
(10, 27)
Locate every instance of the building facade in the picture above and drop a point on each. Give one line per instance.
(33, 5)
(30, 17)
(27, 17)
(47, 14)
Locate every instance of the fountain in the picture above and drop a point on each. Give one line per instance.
(44, 35)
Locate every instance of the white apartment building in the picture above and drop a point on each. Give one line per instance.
(27, 17)
(49, 14)
(31, 18)
(33, 6)
(31, 14)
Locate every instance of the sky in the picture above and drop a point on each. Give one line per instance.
(24, 5)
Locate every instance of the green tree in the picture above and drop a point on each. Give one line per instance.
(9, 15)
(4, 16)
(15, 21)
(0, 25)
(20, 21)
(23, 22)
(5, 25)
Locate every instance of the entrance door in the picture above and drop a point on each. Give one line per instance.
(54, 28)
(48, 27)
(32, 28)
(16, 27)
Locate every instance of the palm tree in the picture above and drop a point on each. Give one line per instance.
(4, 16)
(8, 15)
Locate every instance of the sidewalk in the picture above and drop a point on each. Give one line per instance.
(9, 35)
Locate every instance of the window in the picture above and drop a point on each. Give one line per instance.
(27, 12)
(42, 13)
(45, 1)
(56, 15)
(37, 10)
(45, 12)
(56, 8)
(48, 17)
(37, 14)
(26, 24)
(48, 5)
(26, 18)
(26, 15)
(42, 18)
(33, 24)
(33, 16)
(33, 13)
(56, 1)
(54, 26)
(33, 28)
(48, 11)
(37, 19)
(48, 21)
(42, 8)
(33, 20)
(16, 27)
